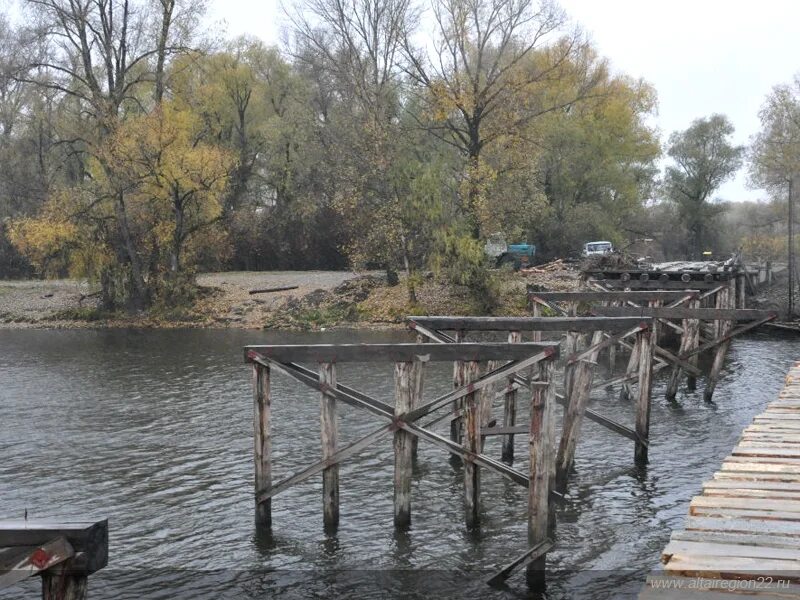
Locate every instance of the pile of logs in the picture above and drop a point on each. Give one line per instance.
(555, 265)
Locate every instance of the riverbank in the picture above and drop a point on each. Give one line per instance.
(318, 300)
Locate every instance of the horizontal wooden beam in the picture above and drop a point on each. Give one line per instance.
(88, 539)
(633, 296)
(528, 323)
(683, 312)
(336, 353)
(20, 562)
(635, 284)
(694, 276)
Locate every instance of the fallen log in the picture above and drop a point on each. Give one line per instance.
(274, 289)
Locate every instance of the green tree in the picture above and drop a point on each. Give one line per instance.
(704, 158)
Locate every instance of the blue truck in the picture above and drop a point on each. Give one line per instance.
(514, 256)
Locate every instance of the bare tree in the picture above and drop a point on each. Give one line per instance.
(775, 157)
(483, 77)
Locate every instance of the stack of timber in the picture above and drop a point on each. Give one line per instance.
(742, 535)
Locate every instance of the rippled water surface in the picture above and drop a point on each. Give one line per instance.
(153, 430)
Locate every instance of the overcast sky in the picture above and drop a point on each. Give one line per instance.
(702, 56)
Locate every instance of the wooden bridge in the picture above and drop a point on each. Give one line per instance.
(492, 382)
(741, 538)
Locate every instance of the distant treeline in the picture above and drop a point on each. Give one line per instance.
(385, 134)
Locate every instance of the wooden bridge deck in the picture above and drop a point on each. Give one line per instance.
(742, 536)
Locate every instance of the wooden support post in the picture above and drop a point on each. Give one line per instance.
(741, 289)
(404, 388)
(537, 312)
(419, 385)
(262, 442)
(725, 298)
(472, 480)
(646, 341)
(540, 441)
(459, 368)
(690, 339)
(612, 351)
(330, 475)
(487, 395)
(573, 417)
(63, 583)
(510, 408)
(633, 362)
(693, 342)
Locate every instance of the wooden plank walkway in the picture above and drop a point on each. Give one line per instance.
(742, 536)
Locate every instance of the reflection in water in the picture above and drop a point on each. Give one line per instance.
(153, 429)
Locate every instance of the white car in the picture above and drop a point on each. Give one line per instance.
(593, 248)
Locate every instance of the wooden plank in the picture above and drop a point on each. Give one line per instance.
(735, 475)
(337, 353)
(783, 504)
(733, 566)
(707, 548)
(736, 513)
(570, 323)
(635, 284)
(751, 485)
(665, 586)
(775, 451)
(20, 562)
(766, 527)
(606, 296)
(530, 555)
(89, 538)
(329, 438)
(745, 539)
(679, 312)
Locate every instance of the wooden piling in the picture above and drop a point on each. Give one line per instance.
(487, 395)
(418, 377)
(510, 408)
(472, 482)
(540, 447)
(262, 442)
(612, 351)
(690, 339)
(330, 475)
(646, 341)
(537, 312)
(741, 289)
(693, 342)
(633, 365)
(459, 368)
(725, 298)
(404, 389)
(573, 417)
(63, 583)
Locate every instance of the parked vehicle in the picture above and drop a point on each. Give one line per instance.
(595, 248)
(515, 256)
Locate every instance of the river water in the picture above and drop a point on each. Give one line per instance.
(153, 430)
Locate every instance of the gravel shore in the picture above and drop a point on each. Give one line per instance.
(39, 303)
